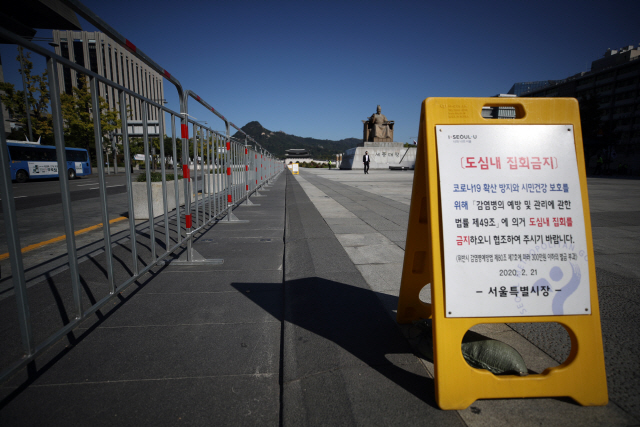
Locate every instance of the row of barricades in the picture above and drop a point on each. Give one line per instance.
(217, 187)
(225, 172)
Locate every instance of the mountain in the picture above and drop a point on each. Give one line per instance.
(278, 142)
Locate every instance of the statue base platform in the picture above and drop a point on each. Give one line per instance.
(384, 155)
(381, 144)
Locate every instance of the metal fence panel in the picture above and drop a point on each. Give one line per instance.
(220, 183)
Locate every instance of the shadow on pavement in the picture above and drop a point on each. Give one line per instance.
(46, 361)
(331, 325)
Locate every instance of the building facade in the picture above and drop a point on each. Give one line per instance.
(102, 55)
(522, 88)
(613, 83)
(297, 155)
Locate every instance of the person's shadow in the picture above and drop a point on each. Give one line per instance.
(331, 325)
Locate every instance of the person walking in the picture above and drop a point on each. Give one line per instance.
(599, 163)
(366, 159)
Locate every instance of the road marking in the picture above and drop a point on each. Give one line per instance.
(84, 185)
(108, 186)
(59, 238)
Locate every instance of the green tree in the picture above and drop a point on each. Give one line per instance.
(38, 97)
(168, 146)
(136, 146)
(77, 114)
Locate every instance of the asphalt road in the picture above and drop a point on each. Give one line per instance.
(39, 204)
(40, 220)
(38, 193)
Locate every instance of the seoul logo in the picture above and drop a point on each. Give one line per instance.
(569, 288)
(462, 137)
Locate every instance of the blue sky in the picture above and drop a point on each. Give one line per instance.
(316, 69)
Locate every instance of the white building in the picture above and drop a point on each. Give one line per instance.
(99, 53)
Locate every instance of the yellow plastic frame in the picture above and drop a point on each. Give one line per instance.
(582, 376)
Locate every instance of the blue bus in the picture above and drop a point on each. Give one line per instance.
(34, 161)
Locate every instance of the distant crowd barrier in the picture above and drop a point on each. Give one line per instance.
(220, 173)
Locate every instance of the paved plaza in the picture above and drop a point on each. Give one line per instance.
(297, 326)
(369, 215)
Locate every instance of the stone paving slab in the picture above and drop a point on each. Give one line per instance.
(348, 228)
(339, 219)
(375, 254)
(206, 401)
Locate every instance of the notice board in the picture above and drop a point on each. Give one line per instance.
(513, 225)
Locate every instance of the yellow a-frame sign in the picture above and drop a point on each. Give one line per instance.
(500, 227)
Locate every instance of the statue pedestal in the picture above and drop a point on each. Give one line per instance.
(382, 154)
(381, 144)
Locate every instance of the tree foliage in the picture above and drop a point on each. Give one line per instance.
(77, 114)
(77, 111)
(136, 146)
(38, 97)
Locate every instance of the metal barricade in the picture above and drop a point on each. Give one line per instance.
(212, 187)
(234, 186)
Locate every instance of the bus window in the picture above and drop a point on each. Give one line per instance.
(21, 153)
(76, 156)
(45, 155)
(31, 154)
